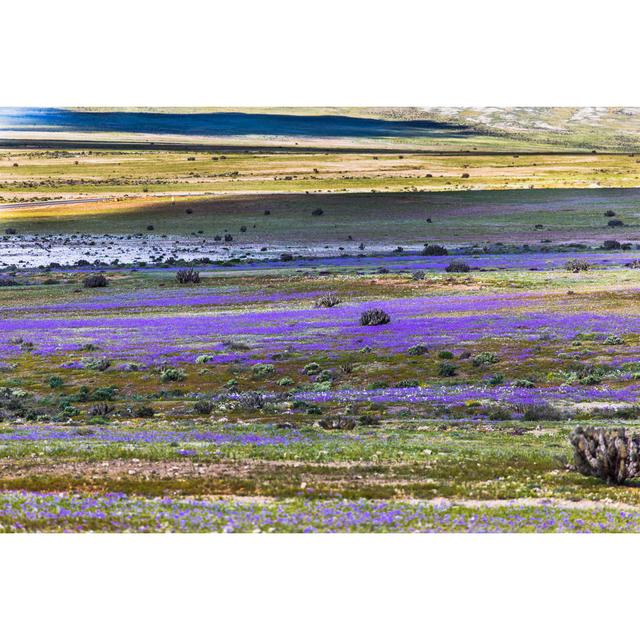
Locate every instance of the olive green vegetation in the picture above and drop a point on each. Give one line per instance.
(474, 217)
(475, 451)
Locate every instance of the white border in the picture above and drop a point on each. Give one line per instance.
(334, 52)
(322, 586)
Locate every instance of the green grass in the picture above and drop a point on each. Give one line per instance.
(567, 215)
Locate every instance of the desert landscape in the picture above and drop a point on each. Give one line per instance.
(320, 319)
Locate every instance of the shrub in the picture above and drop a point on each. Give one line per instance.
(95, 280)
(172, 374)
(96, 364)
(434, 250)
(418, 350)
(446, 370)
(418, 275)
(317, 212)
(613, 339)
(615, 223)
(445, 355)
(204, 358)
(325, 375)
(328, 301)
(285, 382)
(373, 317)
(458, 266)
(311, 369)
(104, 393)
(610, 213)
(100, 410)
(262, 370)
(286, 257)
(342, 423)
(8, 282)
(231, 385)
(542, 411)
(10, 231)
(143, 411)
(55, 382)
(203, 407)
(496, 379)
(523, 384)
(576, 264)
(613, 455)
(499, 412)
(610, 245)
(251, 400)
(188, 276)
(485, 358)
